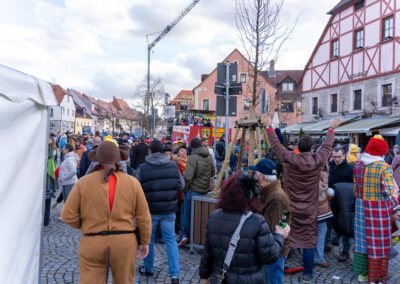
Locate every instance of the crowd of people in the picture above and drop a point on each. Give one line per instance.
(193, 121)
(124, 194)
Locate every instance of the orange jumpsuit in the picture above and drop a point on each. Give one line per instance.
(95, 206)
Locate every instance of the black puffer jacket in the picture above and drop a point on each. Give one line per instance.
(343, 208)
(160, 179)
(138, 155)
(340, 173)
(257, 246)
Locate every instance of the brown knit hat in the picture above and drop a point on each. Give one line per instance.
(108, 154)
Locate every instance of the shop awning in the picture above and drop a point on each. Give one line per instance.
(317, 127)
(293, 129)
(392, 131)
(368, 124)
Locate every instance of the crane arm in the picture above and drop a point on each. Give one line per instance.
(173, 23)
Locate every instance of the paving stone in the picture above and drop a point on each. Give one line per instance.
(60, 261)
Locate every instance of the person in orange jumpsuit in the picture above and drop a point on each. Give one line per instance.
(109, 207)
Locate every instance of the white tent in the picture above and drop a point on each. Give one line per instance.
(23, 150)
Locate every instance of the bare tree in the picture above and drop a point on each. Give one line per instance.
(132, 118)
(262, 33)
(109, 114)
(147, 103)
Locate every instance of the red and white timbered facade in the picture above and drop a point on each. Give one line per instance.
(356, 62)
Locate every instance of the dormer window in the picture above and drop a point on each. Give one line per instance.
(359, 5)
(287, 87)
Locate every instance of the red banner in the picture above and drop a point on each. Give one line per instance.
(187, 133)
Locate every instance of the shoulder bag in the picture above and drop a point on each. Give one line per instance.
(217, 278)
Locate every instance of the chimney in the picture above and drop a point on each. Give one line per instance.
(272, 68)
(203, 77)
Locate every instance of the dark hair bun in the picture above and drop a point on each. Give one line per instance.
(250, 185)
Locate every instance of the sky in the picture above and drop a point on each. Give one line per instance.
(99, 47)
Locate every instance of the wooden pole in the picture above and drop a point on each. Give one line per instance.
(225, 164)
(259, 148)
(267, 146)
(251, 144)
(241, 152)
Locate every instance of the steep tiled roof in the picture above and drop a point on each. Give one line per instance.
(94, 103)
(59, 92)
(123, 107)
(108, 109)
(282, 75)
(339, 6)
(215, 69)
(183, 95)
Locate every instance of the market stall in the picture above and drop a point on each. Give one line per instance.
(24, 102)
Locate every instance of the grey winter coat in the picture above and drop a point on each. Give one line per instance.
(68, 170)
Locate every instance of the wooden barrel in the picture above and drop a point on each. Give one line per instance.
(202, 207)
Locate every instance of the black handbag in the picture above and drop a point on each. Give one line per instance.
(216, 277)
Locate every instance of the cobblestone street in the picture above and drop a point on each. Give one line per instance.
(60, 261)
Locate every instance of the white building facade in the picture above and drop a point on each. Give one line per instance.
(355, 67)
(62, 117)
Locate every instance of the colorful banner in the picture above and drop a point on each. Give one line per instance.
(189, 132)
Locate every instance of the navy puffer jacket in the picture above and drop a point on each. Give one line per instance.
(257, 246)
(343, 208)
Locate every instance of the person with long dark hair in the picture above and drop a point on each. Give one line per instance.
(257, 245)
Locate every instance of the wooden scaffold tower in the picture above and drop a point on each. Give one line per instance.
(256, 133)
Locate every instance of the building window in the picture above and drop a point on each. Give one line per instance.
(358, 39)
(357, 102)
(335, 49)
(359, 5)
(206, 104)
(51, 112)
(73, 112)
(387, 95)
(263, 102)
(314, 106)
(287, 107)
(67, 111)
(387, 27)
(334, 103)
(243, 78)
(246, 104)
(287, 87)
(63, 110)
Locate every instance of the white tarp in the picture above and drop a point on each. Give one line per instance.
(23, 130)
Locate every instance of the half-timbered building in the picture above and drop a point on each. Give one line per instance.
(355, 67)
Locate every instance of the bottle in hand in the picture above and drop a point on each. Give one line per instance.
(283, 222)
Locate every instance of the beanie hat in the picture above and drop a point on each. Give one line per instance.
(377, 146)
(353, 148)
(265, 166)
(195, 143)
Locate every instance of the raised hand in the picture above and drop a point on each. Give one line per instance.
(336, 122)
